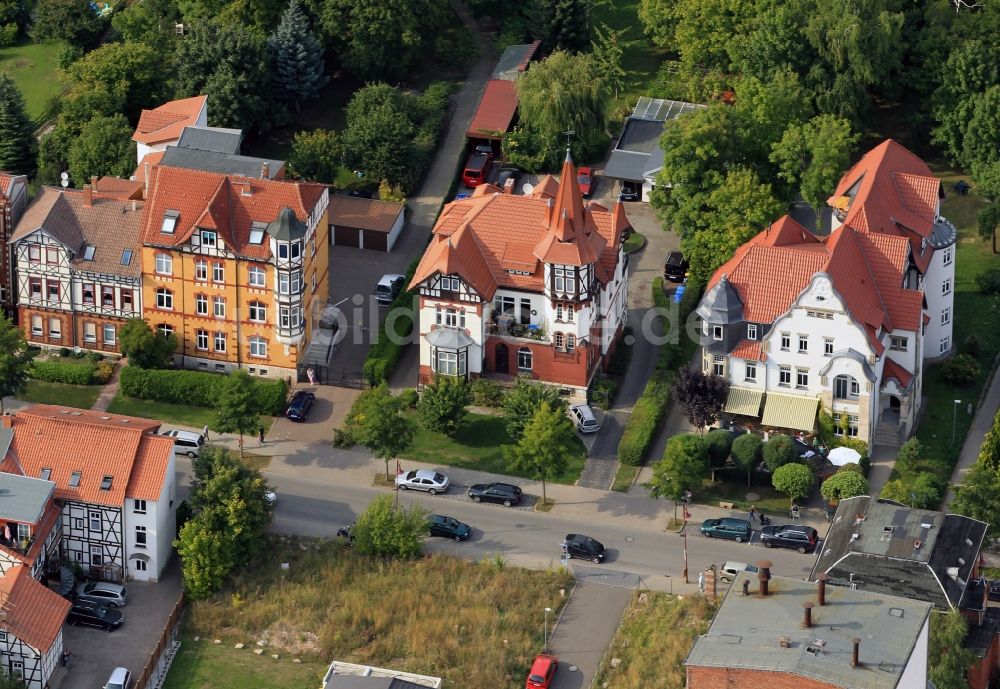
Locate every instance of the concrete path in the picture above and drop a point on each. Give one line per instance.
(981, 423)
(584, 631)
(110, 389)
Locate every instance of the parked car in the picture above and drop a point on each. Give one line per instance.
(631, 191)
(298, 408)
(120, 678)
(584, 547)
(501, 493)
(186, 442)
(102, 592)
(95, 615)
(731, 569)
(448, 527)
(423, 479)
(675, 267)
(994, 590)
(389, 287)
(477, 167)
(587, 181)
(543, 669)
(733, 529)
(584, 419)
(800, 538)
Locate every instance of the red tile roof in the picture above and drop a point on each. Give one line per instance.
(227, 203)
(5, 179)
(751, 350)
(895, 370)
(484, 237)
(166, 122)
(496, 110)
(95, 444)
(34, 614)
(150, 159)
(152, 460)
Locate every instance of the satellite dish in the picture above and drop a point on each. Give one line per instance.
(64, 176)
(527, 188)
(64, 183)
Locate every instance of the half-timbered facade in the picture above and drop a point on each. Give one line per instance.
(532, 285)
(235, 267)
(31, 620)
(114, 486)
(13, 201)
(78, 267)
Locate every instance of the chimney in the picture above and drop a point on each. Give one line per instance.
(265, 170)
(764, 575)
(93, 181)
(7, 421)
(88, 196)
(807, 614)
(508, 185)
(821, 587)
(710, 587)
(855, 661)
(145, 192)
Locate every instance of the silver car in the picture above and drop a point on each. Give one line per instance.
(422, 479)
(103, 592)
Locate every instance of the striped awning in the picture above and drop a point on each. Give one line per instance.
(790, 411)
(744, 401)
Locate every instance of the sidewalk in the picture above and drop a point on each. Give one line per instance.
(981, 423)
(585, 628)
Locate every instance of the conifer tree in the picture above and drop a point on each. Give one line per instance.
(297, 58)
(17, 142)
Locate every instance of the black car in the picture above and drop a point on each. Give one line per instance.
(675, 267)
(631, 191)
(449, 527)
(94, 615)
(584, 547)
(298, 408)
(800, 538)
(501, 493)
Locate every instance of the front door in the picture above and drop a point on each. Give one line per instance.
(501, 362)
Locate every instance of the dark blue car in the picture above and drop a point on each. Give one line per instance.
(298, 408)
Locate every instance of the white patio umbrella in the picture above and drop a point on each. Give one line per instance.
(839, 456)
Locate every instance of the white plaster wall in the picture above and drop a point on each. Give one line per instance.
(474, 324)
(160, 521)
(937, 274)
(915, 672)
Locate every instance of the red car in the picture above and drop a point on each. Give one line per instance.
(585, 178)
(477, 167)
(542, 671)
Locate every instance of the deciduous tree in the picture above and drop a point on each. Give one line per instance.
(17, 138)
(444, 404)
(380, 135)
(747, 452)
(151, 22)
(978, 496)
(375, 422)
(296, 58)
(779, 450)
(794, 480)
(15, 360)
(103, 147)
(720, 442)
(236, 409)
(385, 530)
(68, 20)
(544, 446)
(842, 485)
(316, 155)
(144, 347)
(683, 467)
(702, 396)
(135, 74)
(948, 659)
(522, 401)
(814, 155)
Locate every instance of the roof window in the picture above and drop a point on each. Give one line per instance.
(126, 257)
(257, 232)
(169, 222)
(106, 482)
(88, 253)
(74, 479)
(45, 473)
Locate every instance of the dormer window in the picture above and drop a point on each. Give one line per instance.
(751, 331)
(169, 223)
(88, 252)
(45, 473)
(208, 238)
(74, 479)
(257, 233)
(716, 332)
(106, 482)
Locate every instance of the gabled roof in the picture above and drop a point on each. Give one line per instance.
(888, 548)
(225, 203)
(166, 122)
(6, 179)
(109, 224)
(91, 444)
(894, 371)
(364, 214)
(495, 111)
(150, 470)
(34, 614)
(225, 163)
(514, 60)
(218, 139)
(496, 240)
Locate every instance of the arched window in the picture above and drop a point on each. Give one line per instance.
(164, 298)
(845, 388)
(258, 346)
(524, 359)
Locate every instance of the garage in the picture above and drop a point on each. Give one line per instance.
(365, 223)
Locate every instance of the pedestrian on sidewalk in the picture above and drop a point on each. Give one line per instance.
(701, 582)
(753, 512)
(204, 432)
(260, 435)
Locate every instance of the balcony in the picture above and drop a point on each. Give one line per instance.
(21, 546)
(508, 327)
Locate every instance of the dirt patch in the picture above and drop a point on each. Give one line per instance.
(292, 640)
(22, 64)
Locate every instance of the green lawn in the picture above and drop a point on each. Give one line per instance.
(640, 58)
(479, 445)
(180, 414)
(43, 392)
(634, 242)
(625, 477)
(731, 486)
(33, 68)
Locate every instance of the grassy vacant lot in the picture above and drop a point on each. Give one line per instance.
(33, 68)
(479, 445)
(474, 624)
(654, 638)
(44, 392)
(641, 59)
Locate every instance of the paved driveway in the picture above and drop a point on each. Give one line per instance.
(584, 632)
(96, 653)
(329, 411)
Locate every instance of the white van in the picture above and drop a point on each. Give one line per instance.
(186, 442)
(584, 419)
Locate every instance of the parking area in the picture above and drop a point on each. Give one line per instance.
(328, 412)
(96, 653)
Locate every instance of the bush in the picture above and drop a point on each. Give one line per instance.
(103, 372)
(384, 354)
(69, 372)
(342, 437)
(196, 388)
(778, 451)
(602, 393)
(960, 370)
(972, 345)
(922, 490)
(844, 484)
(988, 282)
(64, 352)
(486, 393)
(409, 398)
(645, 419)
(720, 441)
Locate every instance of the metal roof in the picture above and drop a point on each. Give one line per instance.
(637, 153)
(216, 139)
(224, 163)
(514, 60)
(23, 499)
(661, 109)
(747, 633)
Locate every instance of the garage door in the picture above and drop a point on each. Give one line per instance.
(345, 236)
(375, 241)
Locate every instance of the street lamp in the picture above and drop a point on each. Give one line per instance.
(954, 414)
(545, 632)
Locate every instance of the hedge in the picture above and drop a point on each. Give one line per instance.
(650, 408)
(71, 372)
(384, 353)
(196, 388)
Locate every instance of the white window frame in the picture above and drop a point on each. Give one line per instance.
(201, 304)
(945, 345)
(751, 331)
(717, 332)
(899, 343)
(218, 272)
(141, 536)
(219, 306)
(201, 270)
(209, 238)
(258, 346)
(164, 264)
(947, 256)
(220, 338)
(258, 311)
(164, 299)
(139, 506)
(946, 287)
(201, 340)
(946, 315)
(525, 359)
(257, 277)
(786, 342)
(90, 332)
(803, 344)
(785, 376)
(827, 346)
(801, 378)
(750, 371)
(105, 330)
